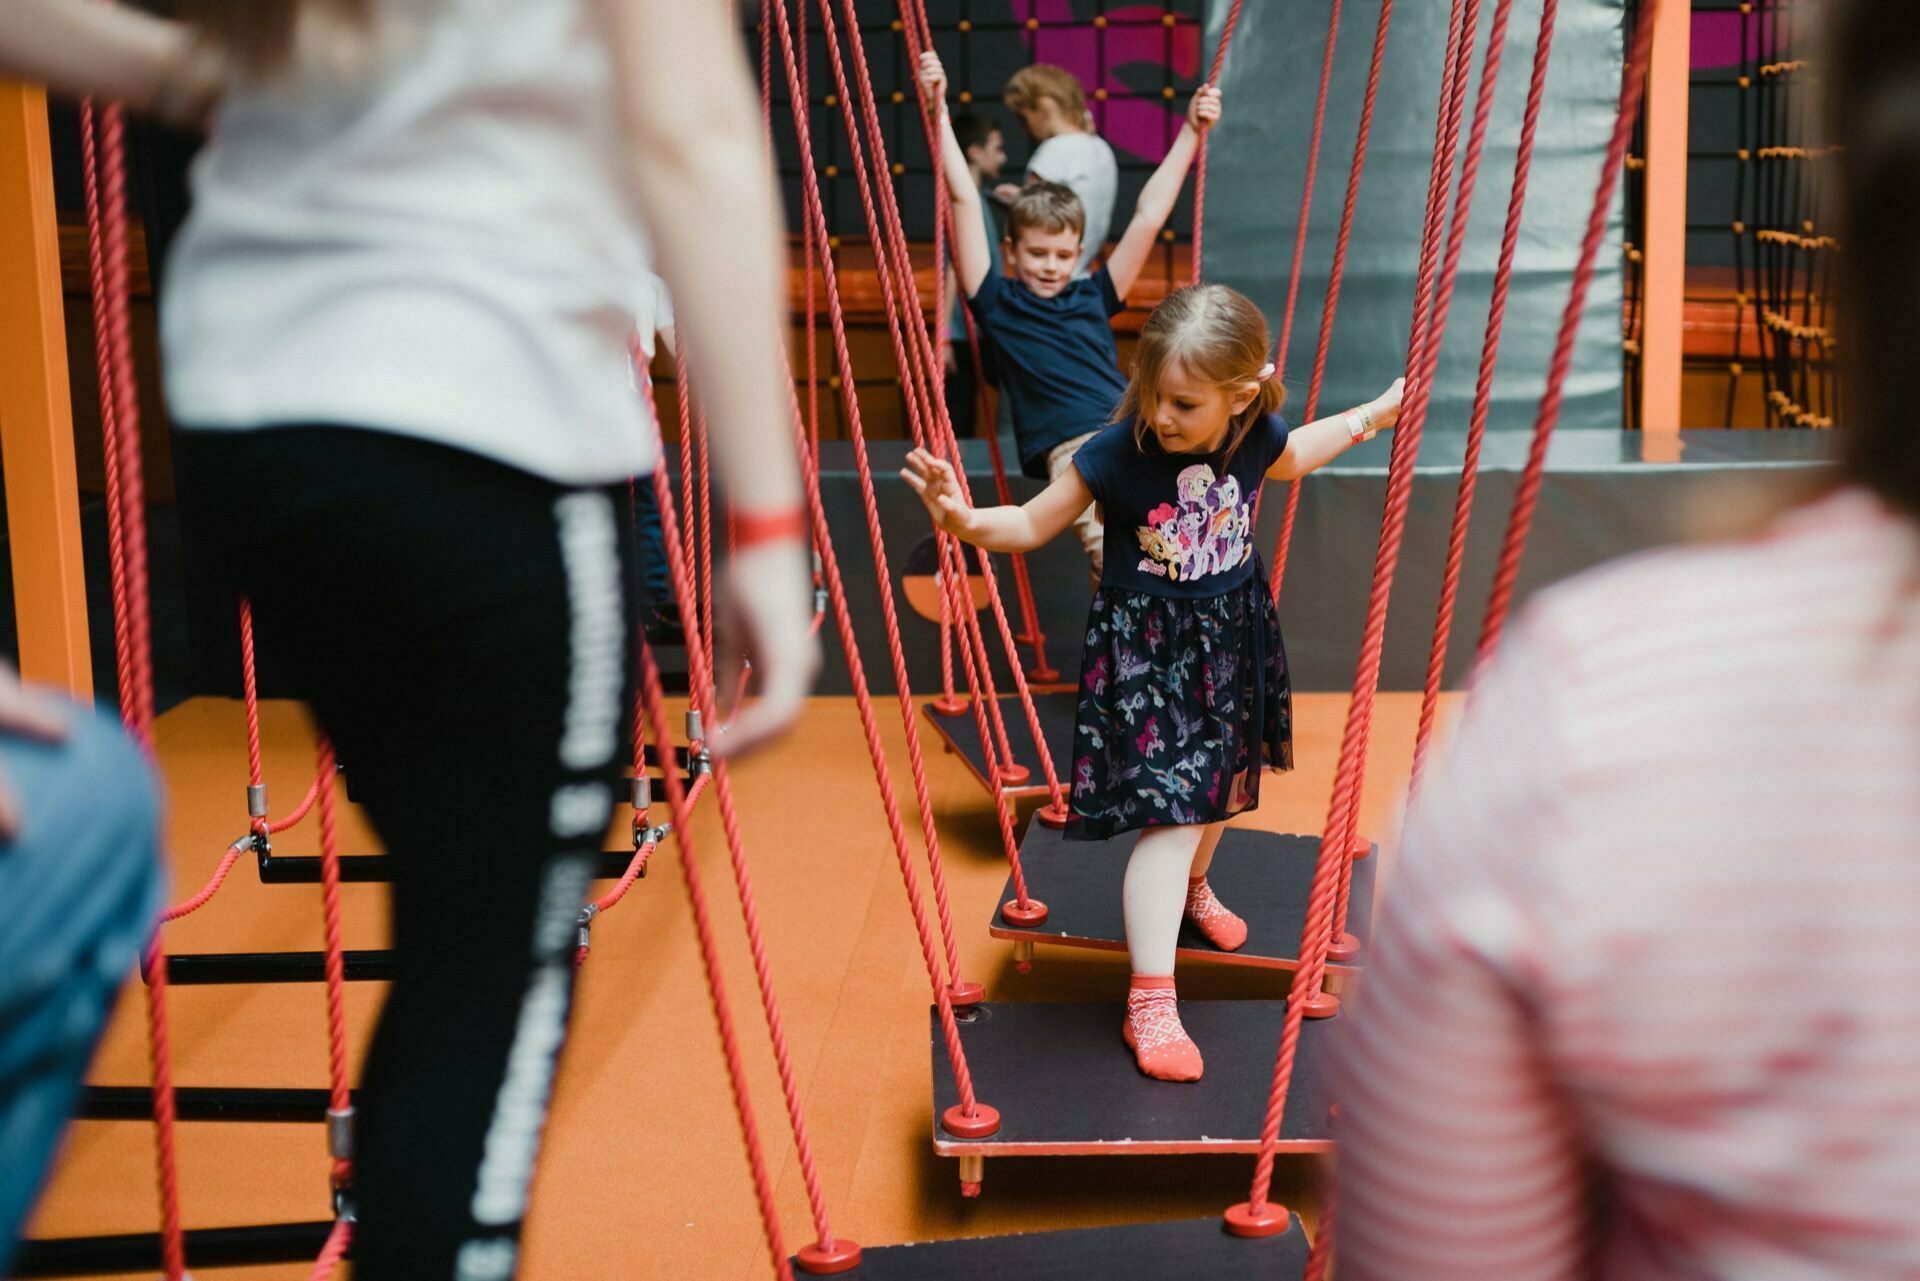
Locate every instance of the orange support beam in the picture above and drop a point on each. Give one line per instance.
(1668, 89)
(36, 413)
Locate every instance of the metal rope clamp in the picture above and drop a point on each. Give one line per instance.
(698, 762)
(583, 939)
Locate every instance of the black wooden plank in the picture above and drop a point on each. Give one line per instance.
(1061, 1076)
(140, 1251)
(1130, 1252)
(1055, 712)
(1264, 877)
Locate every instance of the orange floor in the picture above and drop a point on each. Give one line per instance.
(643, 1174)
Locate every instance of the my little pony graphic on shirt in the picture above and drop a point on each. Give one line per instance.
(1206, 534)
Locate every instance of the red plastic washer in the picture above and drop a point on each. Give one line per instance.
(950, 706)
(843, 1257)
(1034, 913)
(1270, 1220)
(1344, 948)
(964, 996)
(984, 1122)
(1055, 816)
(1322, 1005)
(1014, 775)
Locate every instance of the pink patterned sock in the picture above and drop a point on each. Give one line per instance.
(1223, 929)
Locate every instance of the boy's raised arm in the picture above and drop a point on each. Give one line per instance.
(1157, 198)
(971, 255)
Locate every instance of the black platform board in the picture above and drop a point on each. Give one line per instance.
(1131, 1252)
(1263, 876)
(1066, 1084)
(1055, 710)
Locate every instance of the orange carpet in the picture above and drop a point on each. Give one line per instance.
(643, 1174)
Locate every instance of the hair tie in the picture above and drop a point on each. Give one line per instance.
(1267, 371)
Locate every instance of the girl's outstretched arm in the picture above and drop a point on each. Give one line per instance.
(998, 529)
(1312, 447)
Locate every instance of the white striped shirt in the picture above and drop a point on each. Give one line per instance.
(1644, 1000)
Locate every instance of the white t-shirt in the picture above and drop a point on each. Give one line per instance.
(1084, 162)
(441, 246)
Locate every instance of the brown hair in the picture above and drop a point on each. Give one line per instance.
(1044, 80)
(1046, 206)
(1219, 337)
(1873, 81)
(262, 36)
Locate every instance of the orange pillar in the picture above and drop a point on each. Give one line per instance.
(1668, 87)
(36, 413)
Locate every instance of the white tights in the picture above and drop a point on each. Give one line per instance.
(1154, 896)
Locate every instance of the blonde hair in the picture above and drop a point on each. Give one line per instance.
(1046, 206)
(1044, 80)
(1220, 338)
(267, 36)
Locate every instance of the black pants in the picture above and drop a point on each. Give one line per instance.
(462, 631)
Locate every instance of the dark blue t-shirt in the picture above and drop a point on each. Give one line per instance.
(1178, 524)
(1055, 359)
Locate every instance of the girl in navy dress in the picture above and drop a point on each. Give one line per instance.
(1184, 696)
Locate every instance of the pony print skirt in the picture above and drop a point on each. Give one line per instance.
(1182, 702)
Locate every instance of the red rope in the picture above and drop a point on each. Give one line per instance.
(1335, 278)
(207, 891)
(333, 1251)
(701, 684)
(1483, 391)
(1200, 165)
(1326, 1233)
(250, 691)
(1527, 496)
(701, 455)
(1317, 935)
(836, 594)
(103, 321)
(1335, 842)
(1285, 343)
(895, 274)
(1413, 421)
(940, 432)
(710, 961)
(340, 1099)
(104, 160)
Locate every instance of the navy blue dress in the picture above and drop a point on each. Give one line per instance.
(1184, 694)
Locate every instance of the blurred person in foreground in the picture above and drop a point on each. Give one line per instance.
(1644, 997)
(395, 331)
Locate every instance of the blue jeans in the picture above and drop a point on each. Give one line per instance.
(656, 577)
(81, 884)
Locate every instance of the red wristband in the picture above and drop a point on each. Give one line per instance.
(750, 529)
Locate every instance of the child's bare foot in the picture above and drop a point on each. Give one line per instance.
(1223, 928)
(1154, 1033)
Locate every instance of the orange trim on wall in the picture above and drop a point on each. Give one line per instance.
(1668, 95)
(36, 415)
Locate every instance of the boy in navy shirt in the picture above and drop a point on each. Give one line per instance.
(1048, 335)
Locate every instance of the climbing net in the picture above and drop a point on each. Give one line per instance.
(783, 35)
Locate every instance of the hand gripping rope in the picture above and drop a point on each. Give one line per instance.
(1257, 1216)
(969, 1117)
